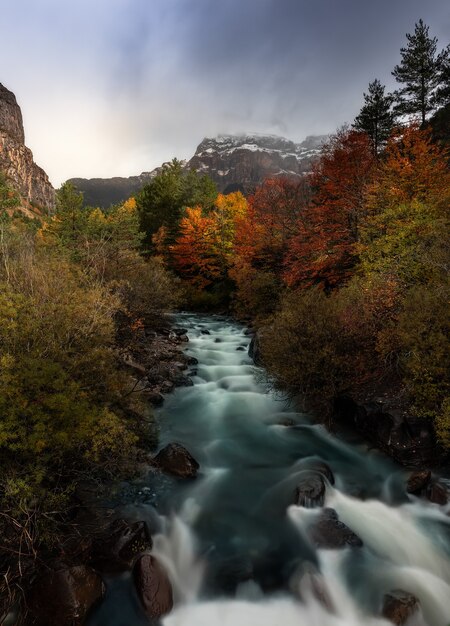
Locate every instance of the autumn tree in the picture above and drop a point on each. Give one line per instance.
(161, 202)
(419, 73)
(271, 221)
(323, 250)
(376, 117)
(193, 251)
(403, 234)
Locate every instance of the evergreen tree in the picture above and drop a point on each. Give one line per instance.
(419, 71)
(161, 202)
(376, 117)
(442, 95)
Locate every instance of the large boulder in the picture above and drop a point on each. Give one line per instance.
(330, 533)
(310, 490)
(437, 493)
(418, 481)
(153, 586)
(64, 596)
(176, 460)
(399, 606)
(116, 548)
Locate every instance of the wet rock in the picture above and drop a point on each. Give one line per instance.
(249, 331)
(286, 421)
(167, 386)
(418, 481)
(399, 606)
(191, 360)
(153, 586)
(119, 546)
(310, 491)
(231, 572)
(240, 349)
(179, 331)
(328, 532)
(180, 380)
(205, 331)
(183, 338)
(437, 493)
(176, 460)
(409, 440)
(65, 596)
(254, 349)
(323, 468)
(155, 398)
(217, 340)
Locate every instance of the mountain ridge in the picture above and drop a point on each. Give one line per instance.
(234, 161)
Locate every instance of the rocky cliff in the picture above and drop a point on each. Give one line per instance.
(240, 162)
(234, 162)
(16, 160)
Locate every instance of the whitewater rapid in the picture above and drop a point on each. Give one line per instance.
(239, 513)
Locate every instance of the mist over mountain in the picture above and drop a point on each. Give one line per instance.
(234, 162)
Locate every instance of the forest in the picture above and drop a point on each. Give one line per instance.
(343, 274)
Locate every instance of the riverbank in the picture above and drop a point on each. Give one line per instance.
(237, 533)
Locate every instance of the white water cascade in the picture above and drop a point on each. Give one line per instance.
(235, 546)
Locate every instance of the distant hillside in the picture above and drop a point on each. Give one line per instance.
(234, 162)
(104, 192)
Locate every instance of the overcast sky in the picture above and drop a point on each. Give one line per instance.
(115, 87)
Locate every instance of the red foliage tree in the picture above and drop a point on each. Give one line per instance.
(323, 250)
(262, 236)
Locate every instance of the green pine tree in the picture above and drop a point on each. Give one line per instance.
(442, 95)
(419, 72)
(162, 200)
(376, 117)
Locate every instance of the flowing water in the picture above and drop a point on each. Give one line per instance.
(236, 547)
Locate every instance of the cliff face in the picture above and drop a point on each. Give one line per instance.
(243, 161)
(16, 160)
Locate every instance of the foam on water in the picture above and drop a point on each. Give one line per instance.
(252, 449)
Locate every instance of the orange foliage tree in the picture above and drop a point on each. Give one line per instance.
(202, 253)
(323, 251)
(274, 209)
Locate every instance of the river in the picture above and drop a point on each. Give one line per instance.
(237, 549)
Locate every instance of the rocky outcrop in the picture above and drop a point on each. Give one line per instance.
(407, 439)
(16, 160)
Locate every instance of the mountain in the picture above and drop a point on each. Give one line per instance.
(103, 192)
(16, 160)
(240, 162)
(234, 162)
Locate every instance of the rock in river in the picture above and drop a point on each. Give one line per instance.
(153, 586)
(115, 550)
(176, 460)
(310, 491)
(328, 532)
(399, 606)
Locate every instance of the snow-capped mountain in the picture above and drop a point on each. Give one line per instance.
(244, 161)
(234, 162)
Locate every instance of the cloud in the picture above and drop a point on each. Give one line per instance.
(117, 86)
